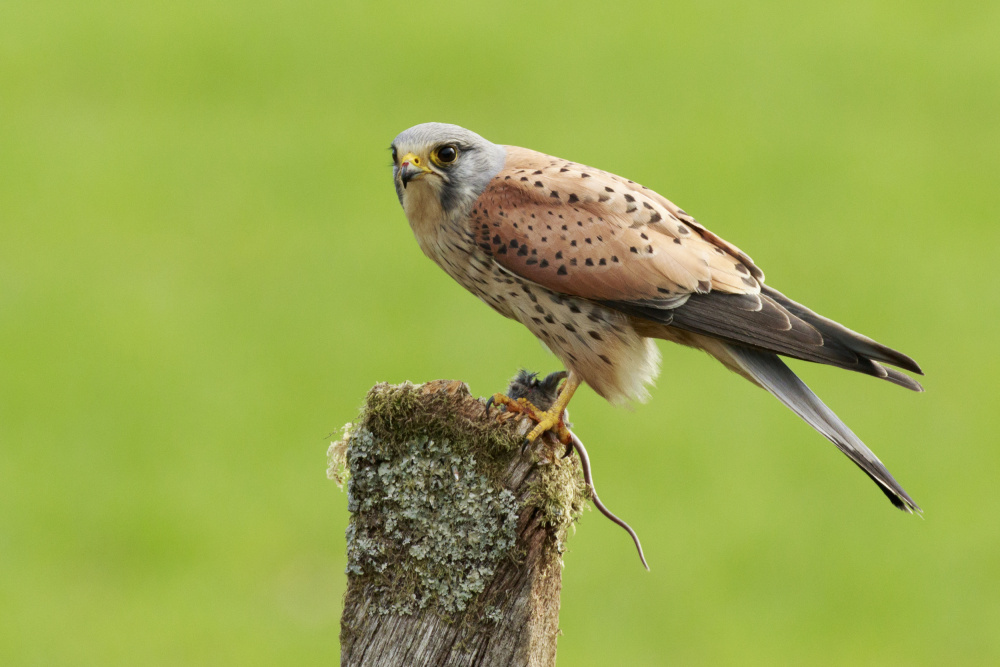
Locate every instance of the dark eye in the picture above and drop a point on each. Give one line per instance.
(395, 158)
(447, 154)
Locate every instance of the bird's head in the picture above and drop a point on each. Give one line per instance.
(446, 164)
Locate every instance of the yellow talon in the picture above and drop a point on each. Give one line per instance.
(548, 420)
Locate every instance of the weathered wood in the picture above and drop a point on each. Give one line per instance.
(456, 532)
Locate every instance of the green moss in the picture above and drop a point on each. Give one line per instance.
(401, 412)
(560, 494)
(336, 457)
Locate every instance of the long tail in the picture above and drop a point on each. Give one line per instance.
(770, 372)
(581, 451)
(771, 321)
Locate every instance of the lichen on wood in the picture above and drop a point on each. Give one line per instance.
(456, 531)
(428, 506)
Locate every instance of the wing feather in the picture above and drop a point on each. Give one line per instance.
(585, 232)
(591, 234)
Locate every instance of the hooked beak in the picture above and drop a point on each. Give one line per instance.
(411, 167)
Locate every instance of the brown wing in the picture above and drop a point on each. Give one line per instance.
(592, 234)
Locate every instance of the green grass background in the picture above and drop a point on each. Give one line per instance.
(203, 268)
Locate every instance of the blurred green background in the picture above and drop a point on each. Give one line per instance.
(203, 268)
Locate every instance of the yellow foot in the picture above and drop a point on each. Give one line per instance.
(547, 420)
(552, 419)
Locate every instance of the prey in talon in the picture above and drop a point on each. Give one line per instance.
(528, 395)
(526, 387)
(597, 267)
(542, 402)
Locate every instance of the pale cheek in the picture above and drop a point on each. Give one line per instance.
(422, 204)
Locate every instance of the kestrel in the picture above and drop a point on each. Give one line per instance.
(597, 266)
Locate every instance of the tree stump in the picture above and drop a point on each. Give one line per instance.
(456, 533)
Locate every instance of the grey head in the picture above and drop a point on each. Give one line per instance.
(454, 162)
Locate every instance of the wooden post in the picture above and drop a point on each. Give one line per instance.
(456, 532)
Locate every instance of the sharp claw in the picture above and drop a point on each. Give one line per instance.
(489, 404)
(569, 450)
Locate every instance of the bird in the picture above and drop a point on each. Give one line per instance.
(597, 267)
